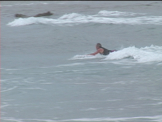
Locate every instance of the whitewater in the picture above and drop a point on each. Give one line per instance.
(147, 54)
(48, 76)
(105, 17)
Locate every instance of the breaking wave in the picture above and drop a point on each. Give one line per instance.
(105, 17)
(140, 55)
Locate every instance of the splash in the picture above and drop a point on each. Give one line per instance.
(86, 57)
(141, 55)
(146, 54)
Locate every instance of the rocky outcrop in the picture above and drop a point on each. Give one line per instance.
(37, 15)
(20, 15)
(44, 14)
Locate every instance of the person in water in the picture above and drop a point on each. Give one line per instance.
(101, 50)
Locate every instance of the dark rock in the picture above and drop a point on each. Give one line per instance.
(20, 15)
(38, 15)
(44, 14)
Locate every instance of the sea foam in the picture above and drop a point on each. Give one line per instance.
(156, 118)
(86, 57)
(146, 54)
(141, 55)
(104, 17)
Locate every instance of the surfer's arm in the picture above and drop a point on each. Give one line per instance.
(98, 51)
(94, 53)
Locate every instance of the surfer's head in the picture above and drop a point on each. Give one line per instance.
(98, 45)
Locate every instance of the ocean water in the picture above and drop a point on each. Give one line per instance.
(47, 76)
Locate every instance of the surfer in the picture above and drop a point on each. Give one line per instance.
(101, 50)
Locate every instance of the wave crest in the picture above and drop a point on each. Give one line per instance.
(117, 13)
(141, 55)
(104, 17)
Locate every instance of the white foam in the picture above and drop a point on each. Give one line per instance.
(141, 55)
(90, 109)
(29, 21)
(9, 119)
(9, 89)
(73, 64)
(34, 88)
(3, 106)
(130, 56)
(105, 17)
(157, 118)
(117, 13)
(154, 118)
(86, 57)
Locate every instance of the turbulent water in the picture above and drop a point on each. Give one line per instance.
(47, 76)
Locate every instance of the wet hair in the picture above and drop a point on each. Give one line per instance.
(99, 45)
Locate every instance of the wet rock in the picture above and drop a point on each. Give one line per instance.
(44, 14)
(37, 15)
(20, 15)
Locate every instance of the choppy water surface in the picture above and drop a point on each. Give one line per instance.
(47, 76)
